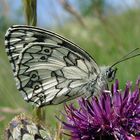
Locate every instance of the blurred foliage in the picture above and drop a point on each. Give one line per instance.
(30, 12)
(4, 23)
(90, 6)
(106, 38)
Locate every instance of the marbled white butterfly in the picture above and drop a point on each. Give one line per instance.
(50, 69)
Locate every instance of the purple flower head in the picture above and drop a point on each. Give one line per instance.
(114, 115)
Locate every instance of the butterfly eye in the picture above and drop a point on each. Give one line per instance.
(111, 74)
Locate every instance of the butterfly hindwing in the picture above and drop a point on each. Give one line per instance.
(48, 68)
(50, 74)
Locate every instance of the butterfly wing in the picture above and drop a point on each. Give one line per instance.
(48, 68)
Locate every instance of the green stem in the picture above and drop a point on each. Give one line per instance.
(30, 9)
(39, 115)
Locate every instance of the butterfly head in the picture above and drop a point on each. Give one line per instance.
(110, 74)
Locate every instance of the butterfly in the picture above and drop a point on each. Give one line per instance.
(50, 69)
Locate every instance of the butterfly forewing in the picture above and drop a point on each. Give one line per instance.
(48, 68)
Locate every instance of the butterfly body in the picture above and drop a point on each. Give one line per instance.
(50, 69)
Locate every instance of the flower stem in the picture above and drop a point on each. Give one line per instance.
(30, 7)
(30, 12)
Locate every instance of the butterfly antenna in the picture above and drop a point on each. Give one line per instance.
(133, 53)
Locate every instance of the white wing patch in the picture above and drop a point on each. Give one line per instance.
(48, 68)
(73, 72)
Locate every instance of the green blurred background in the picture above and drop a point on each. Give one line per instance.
(106, 29)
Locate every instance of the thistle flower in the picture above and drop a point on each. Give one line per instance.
(114, 115)
(23, 128)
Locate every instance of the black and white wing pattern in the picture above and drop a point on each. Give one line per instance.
(48, 68)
